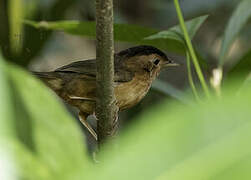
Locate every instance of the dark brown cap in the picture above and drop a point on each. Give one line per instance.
(142, 50)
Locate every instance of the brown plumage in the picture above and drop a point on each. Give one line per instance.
(135, 70)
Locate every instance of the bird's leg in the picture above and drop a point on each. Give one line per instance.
(82, 117)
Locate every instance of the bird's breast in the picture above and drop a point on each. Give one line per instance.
(130, 93)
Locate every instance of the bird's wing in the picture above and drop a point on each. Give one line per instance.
(88, 67)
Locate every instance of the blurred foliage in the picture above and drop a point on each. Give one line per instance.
(36, 129)
(235, 24)
(241, 69)
(167, 88)
(195, 142)
(30, 42)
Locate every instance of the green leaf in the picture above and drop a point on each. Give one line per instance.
(177, 34)
(58, 139)
(42, 130)
(238, 170)
(200, 141)
(241, 70)
(5, 103)
(124, 32)
(235, 24)
(21, 163)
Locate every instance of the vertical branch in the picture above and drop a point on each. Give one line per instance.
(106, 109)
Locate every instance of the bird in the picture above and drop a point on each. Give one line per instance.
(135, 69)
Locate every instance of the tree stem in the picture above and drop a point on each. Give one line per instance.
(106, 109)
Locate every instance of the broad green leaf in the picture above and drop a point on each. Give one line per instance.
(200, 141)
(57, 139)
(21, 163)
(16, 160)
(238, 170)
(176, 33)
(124, 32)
(6, 116)
(242, 69)
(42, 130)
(235, 24)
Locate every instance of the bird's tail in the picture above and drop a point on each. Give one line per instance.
(51, 79)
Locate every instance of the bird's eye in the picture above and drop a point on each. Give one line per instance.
(156, 61)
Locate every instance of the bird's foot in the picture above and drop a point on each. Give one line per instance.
(82, 117)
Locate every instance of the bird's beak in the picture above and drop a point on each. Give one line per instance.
(170, 63)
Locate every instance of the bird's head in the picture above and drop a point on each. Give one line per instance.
(145, 60)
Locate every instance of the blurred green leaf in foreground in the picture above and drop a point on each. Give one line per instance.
(35, 129)
(202, 141)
